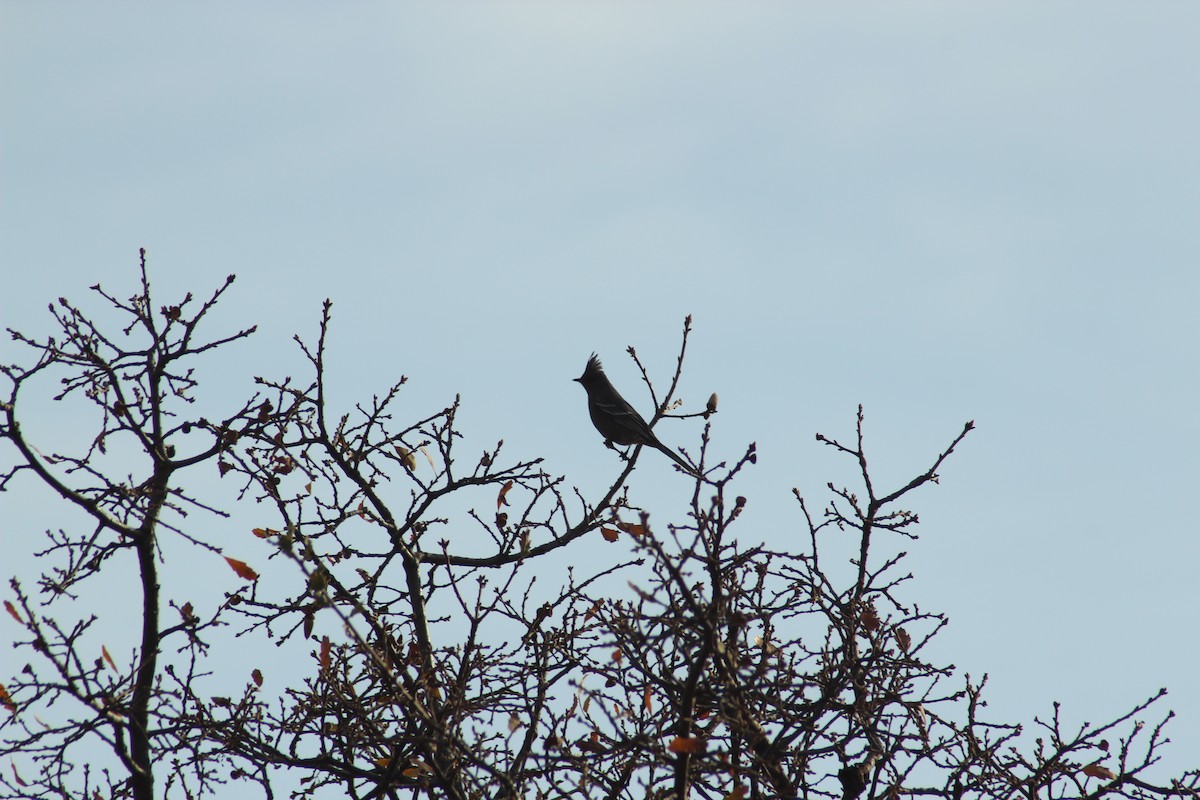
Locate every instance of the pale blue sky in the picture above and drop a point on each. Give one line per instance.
(944, 211)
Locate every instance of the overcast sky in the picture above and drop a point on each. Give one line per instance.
(942, 210)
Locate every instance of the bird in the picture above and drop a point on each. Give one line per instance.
(616, 420)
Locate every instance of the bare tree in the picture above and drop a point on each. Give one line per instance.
(696, 665)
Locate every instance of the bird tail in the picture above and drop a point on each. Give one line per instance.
(688, 468)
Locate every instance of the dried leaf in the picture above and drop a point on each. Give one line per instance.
(326, 649)
(16, 775)
(108, 658)
(686, 744)
(711, 408)
(870, 618)
(1097, 771)
(646, 698)
(738, 792)
(256, 676)
(501, 500)
(610, 534)
(309, 618)
(514, 722)
(263, 533)
(592, 744)
(242, 569)
(632, 529)
(6, 699)
(12, 612)
(406, 457)
(767, 647)
(903, 639)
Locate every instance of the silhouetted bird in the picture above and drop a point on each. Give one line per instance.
(616, 420)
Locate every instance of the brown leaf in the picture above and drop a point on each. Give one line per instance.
(263, 533)
(16, 775)
(309, 618)
(223, 467)
(646, 698)
(107, 657)
(514, 722)
(591, 744)
(185, 611)
(326, 648)
(406, 458)
(6, 699)
(738, 792)
(686, 744)
(632, 529)
(501, 500)
(1097, 771)
(12, 612)
(256, 676)
(610, 534)
(903, 639)
(242, 569)
(870, 619)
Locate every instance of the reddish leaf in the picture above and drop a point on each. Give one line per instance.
(13, 612)
(632, 529)
(6, 699)
(738, 792)
(326, 647)
(610, 534)
(591, 744)
(686, 744)
(16, 775)
(501, 500)
(242, 569)
(256, 676)
(263, 533)
(646, 698)
(107, 657)
(870, 619)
